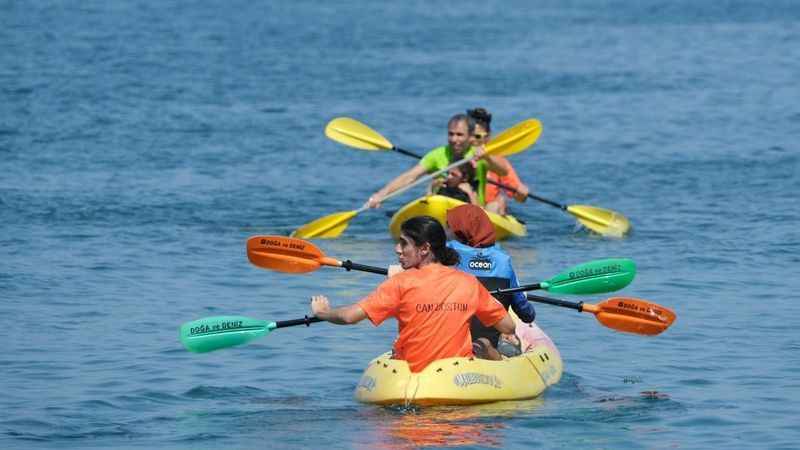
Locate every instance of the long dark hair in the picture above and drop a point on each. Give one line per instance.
(422, 229)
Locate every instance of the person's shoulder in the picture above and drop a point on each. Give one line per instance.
(462, 276)
(462, 248)
(438, 150)
(457, 245)
(498, 252)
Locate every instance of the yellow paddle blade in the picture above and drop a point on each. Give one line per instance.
(600, 220)
(355, 134)
(328, 227)
(515, 139)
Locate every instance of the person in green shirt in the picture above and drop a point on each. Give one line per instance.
(459, 135)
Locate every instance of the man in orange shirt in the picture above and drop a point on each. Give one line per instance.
(432, 302)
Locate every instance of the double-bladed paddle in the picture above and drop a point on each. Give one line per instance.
(511, 141)
(355, 134)
(293, 255)
(625, 314)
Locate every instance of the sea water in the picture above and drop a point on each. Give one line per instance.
(142, 143)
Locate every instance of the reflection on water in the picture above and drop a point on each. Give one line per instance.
(444, 426)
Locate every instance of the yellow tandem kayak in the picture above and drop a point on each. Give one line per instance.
(437, 206)
(465, 381)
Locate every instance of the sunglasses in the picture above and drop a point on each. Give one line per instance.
(480, 136)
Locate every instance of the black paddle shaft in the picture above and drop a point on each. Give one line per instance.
(498, 184)
(556, 302)
(350, 265)
(406, 152)
(307, 321)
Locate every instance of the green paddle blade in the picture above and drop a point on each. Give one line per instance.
(214, 333)
(595, 277)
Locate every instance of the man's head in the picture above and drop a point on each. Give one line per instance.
(459, 132)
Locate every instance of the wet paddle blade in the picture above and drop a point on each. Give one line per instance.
(632, 315)
(353, 133)
(600, 220)
(283, 254)
(594, 277)
(515, 139)
(214, 333)
(328, 227)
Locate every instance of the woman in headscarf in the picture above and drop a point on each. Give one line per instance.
(481, 256)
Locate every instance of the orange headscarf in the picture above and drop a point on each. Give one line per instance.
(471, 225)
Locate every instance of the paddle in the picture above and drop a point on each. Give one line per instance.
(292, 255)
(511, 141)
(626, 314)
(353, 133)
(214, 333)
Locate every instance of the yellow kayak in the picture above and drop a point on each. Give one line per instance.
(465, 381)
(436, 206)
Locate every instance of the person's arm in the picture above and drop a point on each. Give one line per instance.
(402, 180)
(473, 196)
(435, 185)
(505, 325)
(522, 193)
(492, 164)
(523, 308)
(519, 302)
(345, 315)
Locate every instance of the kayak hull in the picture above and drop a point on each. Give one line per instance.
(465, 381)
(437, 206)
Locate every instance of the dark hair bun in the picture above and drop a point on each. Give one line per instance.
(480, 115)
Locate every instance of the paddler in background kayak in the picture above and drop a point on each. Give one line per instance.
(459, 137)
(459, 184)
(495, 197)
(474, 240)
(432, 302)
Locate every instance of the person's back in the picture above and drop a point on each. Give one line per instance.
(481, 256)
(433, 306)
(433, 303)
(492, 267)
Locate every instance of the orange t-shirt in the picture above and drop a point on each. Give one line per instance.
(433, 306)
(510, 179)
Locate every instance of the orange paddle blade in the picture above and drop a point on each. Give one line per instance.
(632, 315)
(286, 254)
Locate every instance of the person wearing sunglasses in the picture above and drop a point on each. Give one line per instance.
(460, 129)
(495, 197)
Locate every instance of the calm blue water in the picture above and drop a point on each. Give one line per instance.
(141, 144)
